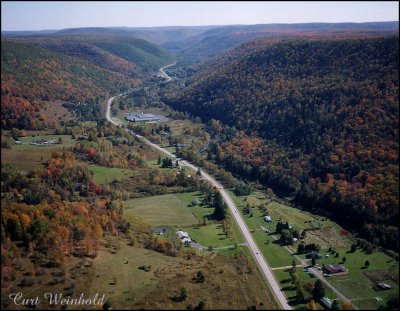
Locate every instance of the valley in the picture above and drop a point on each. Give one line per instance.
(267, 178)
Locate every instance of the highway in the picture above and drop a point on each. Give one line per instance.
(254, 250)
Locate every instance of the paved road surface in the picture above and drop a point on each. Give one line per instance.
(162, 72)
(254, 250)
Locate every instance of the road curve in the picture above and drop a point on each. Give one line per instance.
(162, 72)
(254, 250)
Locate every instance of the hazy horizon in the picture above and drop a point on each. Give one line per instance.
(41, 16)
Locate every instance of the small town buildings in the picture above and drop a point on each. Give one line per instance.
(44, 142)
(136, 117)
(332, 269)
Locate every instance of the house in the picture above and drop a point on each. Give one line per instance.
(314, 254)
(267, 218)
(184, 236)
(332, 269)
(136, 117)
(326, 302)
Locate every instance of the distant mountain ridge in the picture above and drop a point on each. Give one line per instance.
(196, 43)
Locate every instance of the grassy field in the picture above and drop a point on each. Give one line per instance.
(276, 255)
(199, 211)
(210, 235)
(160, 210)
(284, 279)
(357, 285)
(27, 157)
(105, 175)
(67, 142)
(224, 287)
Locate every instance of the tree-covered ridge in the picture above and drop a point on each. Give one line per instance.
(131, 56)
(31, 74)
(320, 121)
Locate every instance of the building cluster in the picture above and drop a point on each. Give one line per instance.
(142, 117)
(44, 142)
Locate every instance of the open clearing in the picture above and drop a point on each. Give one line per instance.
(127, 287)
(160, 210)
(105, 175)
(27, 157)
(210, 235)
(67, 142)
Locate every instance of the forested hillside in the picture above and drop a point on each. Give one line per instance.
(131, 56)
(31, 75)
(316, 119)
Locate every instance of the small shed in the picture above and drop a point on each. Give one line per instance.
(332, 269)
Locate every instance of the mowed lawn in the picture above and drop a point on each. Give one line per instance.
(105, 175)
(210, 235)
(159, 210)
(357, 285)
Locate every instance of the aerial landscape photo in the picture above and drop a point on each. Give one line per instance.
(199, 155)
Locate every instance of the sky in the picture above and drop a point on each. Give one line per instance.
(41, 15)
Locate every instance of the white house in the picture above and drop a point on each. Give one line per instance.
(182, 234)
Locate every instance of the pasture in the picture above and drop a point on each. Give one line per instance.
(115, 272)
(159, 210)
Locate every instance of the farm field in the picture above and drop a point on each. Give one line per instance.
(166, 210)
(105, 175)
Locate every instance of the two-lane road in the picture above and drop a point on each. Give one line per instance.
(254, 250)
